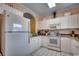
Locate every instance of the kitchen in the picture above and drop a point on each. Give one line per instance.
(51, 32)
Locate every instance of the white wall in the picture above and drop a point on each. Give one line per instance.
(5, 7)
(19, 10)
(25, 9)
(44, 24)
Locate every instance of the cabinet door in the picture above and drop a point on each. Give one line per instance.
(45, 41)
(64, 22)
(66, 45)
(39, 41)
(75, 47)
(56, 22)
(69, 22)
(72, 21)
(32, 45)
(35, 43)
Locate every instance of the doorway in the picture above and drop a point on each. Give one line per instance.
(2, 34)
(32, 22)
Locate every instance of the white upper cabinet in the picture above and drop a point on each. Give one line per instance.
(69, 22)
(72, 21)
(55, 22)
(64, 22)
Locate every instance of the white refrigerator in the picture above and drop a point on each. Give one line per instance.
(17, 38)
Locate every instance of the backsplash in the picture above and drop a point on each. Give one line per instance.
(43, 32)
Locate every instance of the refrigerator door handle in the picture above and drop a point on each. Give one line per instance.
(28, 39)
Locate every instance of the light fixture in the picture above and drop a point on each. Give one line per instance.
(50, 5)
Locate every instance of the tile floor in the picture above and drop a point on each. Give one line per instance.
(47, 52)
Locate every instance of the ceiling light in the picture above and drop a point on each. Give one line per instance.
(50, 5)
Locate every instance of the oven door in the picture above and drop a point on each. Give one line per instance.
(55, 42)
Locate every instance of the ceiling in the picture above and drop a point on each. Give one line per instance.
(42, 8)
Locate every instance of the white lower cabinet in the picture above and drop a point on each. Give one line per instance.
(75, 47)
(45, 40)
(70, 45)
(35, 43)
(66, 45)
(31, 45)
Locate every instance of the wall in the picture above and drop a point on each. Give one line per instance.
(74, 10)
(10, 9)
(36, 16)
(32, 25)
(44, 24)
(24, 9)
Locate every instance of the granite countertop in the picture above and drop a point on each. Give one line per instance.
(39, 35)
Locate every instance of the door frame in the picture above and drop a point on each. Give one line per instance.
(2, 37)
